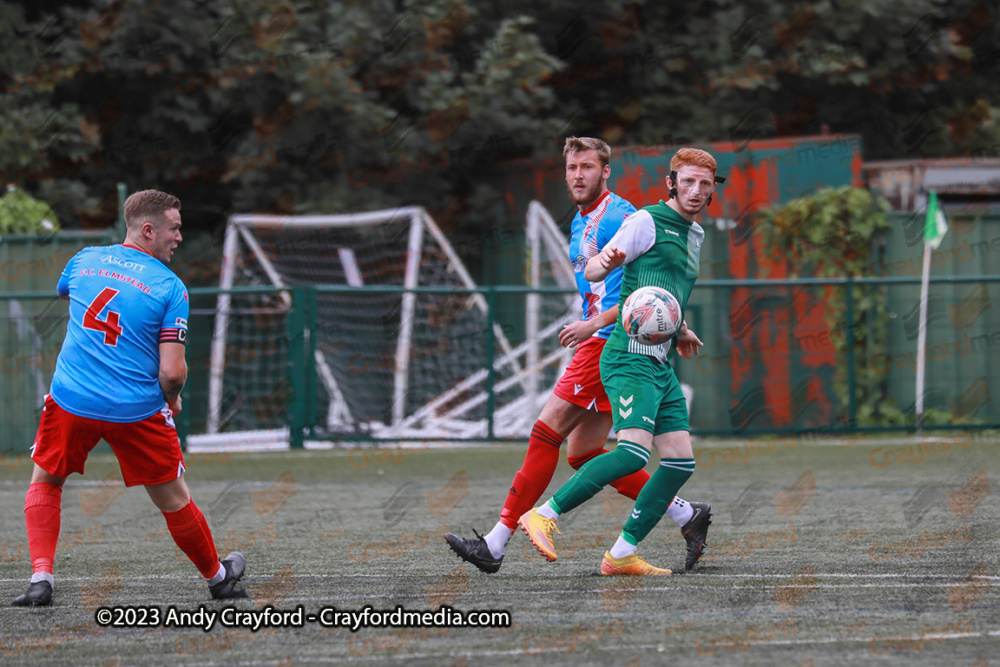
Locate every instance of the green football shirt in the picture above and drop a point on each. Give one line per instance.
(661, 249)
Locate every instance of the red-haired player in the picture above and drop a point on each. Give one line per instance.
(659, 245)
(578, 410)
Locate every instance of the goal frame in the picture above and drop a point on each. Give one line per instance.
(544, 240)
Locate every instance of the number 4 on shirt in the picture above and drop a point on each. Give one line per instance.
(109, 325)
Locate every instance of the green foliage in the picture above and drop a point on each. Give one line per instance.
(32, 120)
(287, 107)
(347, 105)
(836, 233)
(829, 233)
(20, 213)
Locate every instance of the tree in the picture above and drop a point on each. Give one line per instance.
(20, 213)
(297, 109)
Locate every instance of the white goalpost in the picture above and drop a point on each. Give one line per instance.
(389, 363)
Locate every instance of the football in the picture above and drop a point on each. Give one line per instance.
(651, 315)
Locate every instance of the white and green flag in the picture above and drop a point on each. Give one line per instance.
(936, 225)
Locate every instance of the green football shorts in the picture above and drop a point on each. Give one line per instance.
(643, 393)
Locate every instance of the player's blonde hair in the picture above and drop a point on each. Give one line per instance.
(576, 144)
(693, 157)
(148, 205)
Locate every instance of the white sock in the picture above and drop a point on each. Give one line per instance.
(548, 511)
(497, 539)
(219, 576)
(680, 511)
(622, 548)
(43, 576)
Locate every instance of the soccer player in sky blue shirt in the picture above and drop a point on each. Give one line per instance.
(119, 377)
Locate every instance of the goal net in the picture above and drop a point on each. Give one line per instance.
(395, 333)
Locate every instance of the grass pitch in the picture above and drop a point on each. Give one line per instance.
(821, 553)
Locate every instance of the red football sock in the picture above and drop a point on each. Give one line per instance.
(42, 514)
(536, 472)
(629, 485)
(190, 531)
(576, 462)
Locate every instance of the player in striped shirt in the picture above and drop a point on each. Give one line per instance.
(659, 245)
(578, 410)
(119, 377)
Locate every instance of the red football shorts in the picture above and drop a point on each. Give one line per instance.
(148, 451)
(581, 383)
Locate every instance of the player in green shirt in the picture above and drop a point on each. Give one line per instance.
(659, 245)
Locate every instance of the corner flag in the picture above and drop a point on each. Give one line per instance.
(936, 225)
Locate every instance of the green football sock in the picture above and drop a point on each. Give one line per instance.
(655, 497)
(600, 471)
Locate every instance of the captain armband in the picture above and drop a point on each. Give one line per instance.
(173, 335)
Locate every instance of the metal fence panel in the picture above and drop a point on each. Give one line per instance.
(32, 325)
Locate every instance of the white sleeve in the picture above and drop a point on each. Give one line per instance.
(636, 235)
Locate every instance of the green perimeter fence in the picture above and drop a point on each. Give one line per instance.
(780, 357)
